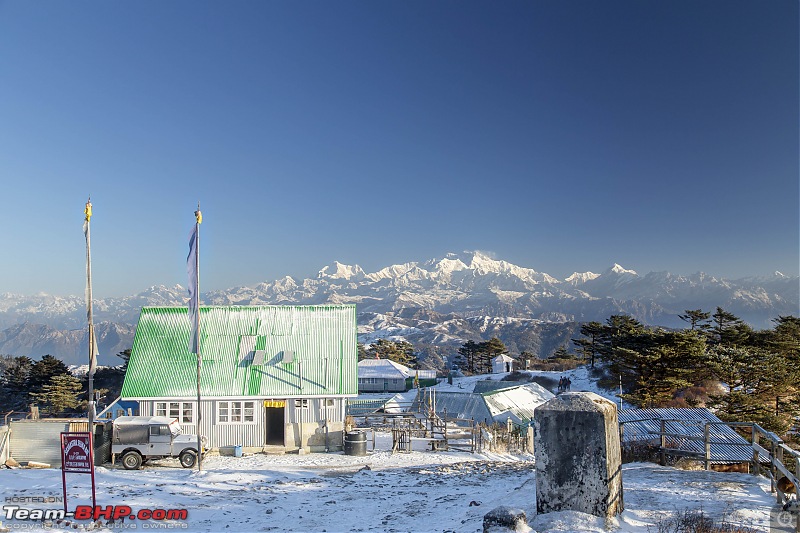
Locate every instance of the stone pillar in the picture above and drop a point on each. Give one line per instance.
(578, 460)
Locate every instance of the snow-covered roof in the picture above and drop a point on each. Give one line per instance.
(504, 358)
(383, 368)
(517, 402)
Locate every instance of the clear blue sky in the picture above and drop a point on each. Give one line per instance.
(562, 136)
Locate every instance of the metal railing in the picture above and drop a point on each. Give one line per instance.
(768, 452)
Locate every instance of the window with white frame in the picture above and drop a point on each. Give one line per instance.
(301, 404)
(182, 411)
(236, 412)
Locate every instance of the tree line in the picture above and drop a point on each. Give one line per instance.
(48, 384)
(717, 361)
(398, 351)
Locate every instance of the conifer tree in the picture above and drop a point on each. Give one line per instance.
(697, 319)
(398, 351)
(728, 329)
(469, 351)
(15, 384)
(43, 370)
(487, 351)
(60, 394)
(589, 346)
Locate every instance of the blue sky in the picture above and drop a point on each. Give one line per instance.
(561, 136)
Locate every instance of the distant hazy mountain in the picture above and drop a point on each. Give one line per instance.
(439, 302)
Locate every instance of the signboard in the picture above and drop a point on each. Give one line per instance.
(77, 456)
(274, 403)
(76, 453)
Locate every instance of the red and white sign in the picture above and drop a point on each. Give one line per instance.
(76, 453)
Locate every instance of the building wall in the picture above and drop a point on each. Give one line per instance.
(315, 424)
(381, 385)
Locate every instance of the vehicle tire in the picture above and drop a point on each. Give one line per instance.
(187, 458)
(132, 461)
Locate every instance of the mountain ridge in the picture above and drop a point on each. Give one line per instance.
(453, 290)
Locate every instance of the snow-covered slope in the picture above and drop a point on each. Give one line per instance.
(418, 491)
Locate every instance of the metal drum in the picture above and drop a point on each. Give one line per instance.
(355, 443)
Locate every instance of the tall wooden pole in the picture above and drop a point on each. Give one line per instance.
(92, 355)
(198, 217)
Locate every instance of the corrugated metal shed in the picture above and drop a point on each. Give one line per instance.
(516, 402)
(645, 425)
(309, 350)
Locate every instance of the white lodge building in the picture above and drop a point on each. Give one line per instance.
(271, 376)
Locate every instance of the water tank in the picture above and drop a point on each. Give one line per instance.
(355, 443)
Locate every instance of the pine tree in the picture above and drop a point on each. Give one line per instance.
(398, 351)
(753, 379)
(487, 351)
(15, 384)
(697, 319)
(60, 394)
(589, 346)
(728, 329)
(125, 355)
(469, 351)
(43, 370)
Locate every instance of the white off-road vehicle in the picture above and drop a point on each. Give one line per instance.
(138, 439)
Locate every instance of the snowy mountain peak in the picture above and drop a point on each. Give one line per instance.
(619, 269)
(340, 271)
(581, 277)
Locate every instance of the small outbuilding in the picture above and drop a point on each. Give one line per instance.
(383, 375)
(503, 363)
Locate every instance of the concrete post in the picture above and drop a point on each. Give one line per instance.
(578, 455)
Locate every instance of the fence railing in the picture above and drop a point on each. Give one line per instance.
(767, 454)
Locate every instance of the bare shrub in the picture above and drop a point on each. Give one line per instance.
(546, 382)
(696, 521)
(516, 376)
(639, 452)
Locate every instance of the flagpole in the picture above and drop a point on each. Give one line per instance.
(198, 217)
(92, 361)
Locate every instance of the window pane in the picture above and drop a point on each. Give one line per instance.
(187, 412)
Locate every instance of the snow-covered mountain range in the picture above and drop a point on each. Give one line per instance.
(443, 301)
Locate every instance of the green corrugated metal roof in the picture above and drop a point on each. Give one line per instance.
(323, 339)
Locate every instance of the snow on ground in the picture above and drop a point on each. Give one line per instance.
(419, 491)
